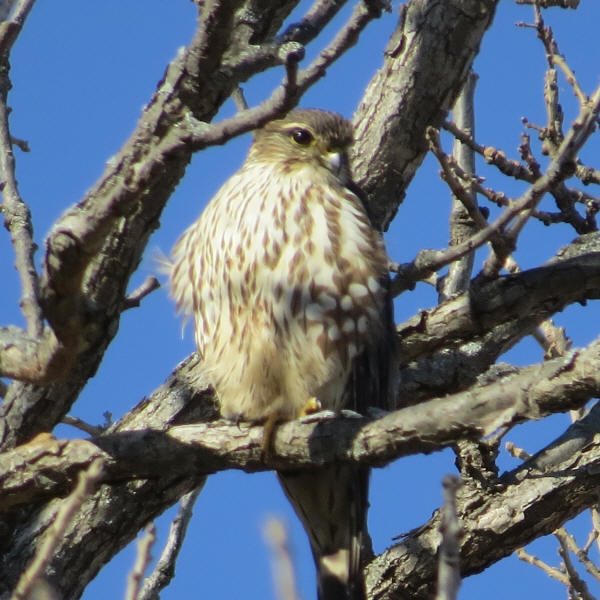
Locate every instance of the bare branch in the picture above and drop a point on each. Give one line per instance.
(574, 580)
(557, 59)
(142, 560)
(562, 166)
(164, 571)
(80, 424)
(239, 99)
(553, 572)
(190, 451)
(428, 261)
(286, 96)
(568, 543)
(517, 452)
(147, 287)
(533, 298)
(492, 155)
(17, 216)
(275, 534)
(549, 3)
(27, 358)
(449, 580)
(397, 107)
(5, 7)
(9, 30)
(462, 221)
(499, 519)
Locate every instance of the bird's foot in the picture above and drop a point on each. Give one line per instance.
(312, 406)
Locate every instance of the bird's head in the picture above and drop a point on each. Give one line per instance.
(307, 136)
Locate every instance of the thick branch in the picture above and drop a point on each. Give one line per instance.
(517, 302)
(426, 63)
(168, 463)
(189, 451)
(533, 500)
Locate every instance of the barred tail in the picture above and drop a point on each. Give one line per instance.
(332, 504)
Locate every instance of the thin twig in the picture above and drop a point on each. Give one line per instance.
(142, 560)
(557, 59)
(164, 571)
(85, 485)
(575, 581)
(491, 155)
(595, 514)
(22, 145)
(286, 95)
(147, 287)
(553, 572)
(465, 212)
(239, 99)
(517, 452)
(9, 30)
(430, 261)
(569, 543)
(80, 424)
(275, 534)
(561, 167)
(549, 3)
(17, 216)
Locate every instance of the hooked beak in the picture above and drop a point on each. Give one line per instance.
(334, 159)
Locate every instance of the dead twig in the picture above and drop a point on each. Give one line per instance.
(142, 560)
(164, 571)
(80, 424)
(575, 582)
(275, 534)
(147, 287)
(17, 216)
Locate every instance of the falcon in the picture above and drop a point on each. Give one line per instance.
(287, 282)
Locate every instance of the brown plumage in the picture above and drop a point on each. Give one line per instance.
(287, 282)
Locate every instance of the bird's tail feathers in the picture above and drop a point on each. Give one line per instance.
(332, 504)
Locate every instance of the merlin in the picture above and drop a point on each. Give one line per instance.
(287, 281)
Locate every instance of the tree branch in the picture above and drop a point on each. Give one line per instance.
(164, 571)
(158, 459)
(398, 106)
(189, 451)
(524, 504)
(465, 212)
(17, 216)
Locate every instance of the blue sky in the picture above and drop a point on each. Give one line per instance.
(81, 73)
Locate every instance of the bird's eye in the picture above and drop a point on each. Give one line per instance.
(303, 137)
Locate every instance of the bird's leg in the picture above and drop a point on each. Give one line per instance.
(268, 430)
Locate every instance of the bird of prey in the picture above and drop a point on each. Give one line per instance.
(287, 281)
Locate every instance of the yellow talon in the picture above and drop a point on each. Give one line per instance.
(312, 406)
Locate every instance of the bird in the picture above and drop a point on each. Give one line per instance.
(287, 280)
